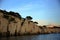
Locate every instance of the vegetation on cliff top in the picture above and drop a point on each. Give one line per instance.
(44, 29)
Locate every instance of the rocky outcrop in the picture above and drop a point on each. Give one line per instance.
(12, 23)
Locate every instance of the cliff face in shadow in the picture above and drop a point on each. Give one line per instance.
(11, 23)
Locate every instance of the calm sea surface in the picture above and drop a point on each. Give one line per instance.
(35, 37)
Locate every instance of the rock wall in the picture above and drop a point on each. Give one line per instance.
(16, 25)
(3, 23)
(13, 24)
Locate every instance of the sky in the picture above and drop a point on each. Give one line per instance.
(43, 11)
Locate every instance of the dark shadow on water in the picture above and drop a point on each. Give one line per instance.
(34, 37)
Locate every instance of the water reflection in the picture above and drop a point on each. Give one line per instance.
(35, 37)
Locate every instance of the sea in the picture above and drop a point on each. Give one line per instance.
(34, 37)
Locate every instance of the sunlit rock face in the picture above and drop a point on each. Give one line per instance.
(18, 24)
(24, 27)
(3, 23)
(35, 28)
(30, 25)
(12, 23)
(12, 28)
(15, 25)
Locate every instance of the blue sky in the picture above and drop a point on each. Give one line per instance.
(47, 11)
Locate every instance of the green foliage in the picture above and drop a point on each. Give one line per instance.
(11, 13)
(15, 14)
(40, 27)
(36, 22)
(6, 16)
(12, 19)
(44, 26)
(29, 21)
(29, 17)
(3, 11)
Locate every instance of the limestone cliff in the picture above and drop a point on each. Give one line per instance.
(11, 23)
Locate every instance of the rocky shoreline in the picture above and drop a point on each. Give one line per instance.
(12, 24)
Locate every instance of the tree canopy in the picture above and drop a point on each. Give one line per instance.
(29, 17)
(36, 22)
